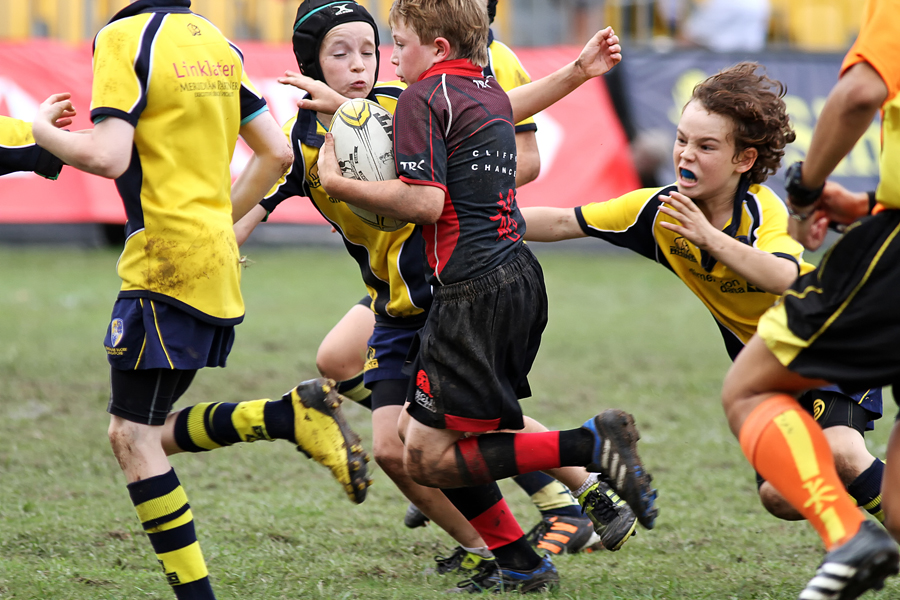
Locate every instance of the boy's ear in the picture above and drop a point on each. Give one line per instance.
(442, 49)
(746, 159)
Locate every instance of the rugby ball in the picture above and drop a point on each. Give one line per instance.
(364, 145)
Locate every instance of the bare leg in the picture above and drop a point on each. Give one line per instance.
(138, 449)
(388, 450)
(342, 353)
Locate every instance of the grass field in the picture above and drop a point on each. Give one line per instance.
(273, 525)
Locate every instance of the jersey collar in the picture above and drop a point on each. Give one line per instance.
(458, 66)
(147, 6)
(707, 260)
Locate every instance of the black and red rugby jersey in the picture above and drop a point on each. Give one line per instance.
(453, 129)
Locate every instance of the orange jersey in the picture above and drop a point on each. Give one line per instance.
(878, 45)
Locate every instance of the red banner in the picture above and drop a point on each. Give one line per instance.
(584, 153)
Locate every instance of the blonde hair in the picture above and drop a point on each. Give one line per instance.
(463, 23)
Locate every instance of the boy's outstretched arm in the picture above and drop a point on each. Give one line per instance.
(104, 150)
(393, 198)
(548, 224)
(599, 55)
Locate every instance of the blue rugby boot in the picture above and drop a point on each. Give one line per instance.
(616, 460)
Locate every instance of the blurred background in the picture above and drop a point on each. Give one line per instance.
(806, 25)
(611, 136)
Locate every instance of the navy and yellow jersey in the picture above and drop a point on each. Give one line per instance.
(759, 220)
(453, 130)
(18, 152)
(504, 66)
(391, 263)
(175, 77)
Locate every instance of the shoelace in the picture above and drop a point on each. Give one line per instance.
(602, 504)
(537, 533)
(447, 564)
(477, 580)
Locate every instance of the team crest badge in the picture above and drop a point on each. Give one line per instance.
(818, 408)
(116, 331)
(423, 395)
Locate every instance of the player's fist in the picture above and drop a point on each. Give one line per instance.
(600, 54)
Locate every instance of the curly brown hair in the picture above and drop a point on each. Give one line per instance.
(753, 102)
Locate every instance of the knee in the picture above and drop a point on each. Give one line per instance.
(415, 468)
(121, 435)
(129, 440)
(390, 458)
(775, 503)
(329, 365)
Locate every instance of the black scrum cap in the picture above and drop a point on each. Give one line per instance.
(315, 18)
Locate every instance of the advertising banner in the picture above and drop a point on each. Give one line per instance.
(656, 87)
(584, 151)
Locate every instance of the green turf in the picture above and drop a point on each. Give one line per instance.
(623, 333)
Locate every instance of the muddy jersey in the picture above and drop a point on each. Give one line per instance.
(391, 262)
(172, 75)
(453, 130)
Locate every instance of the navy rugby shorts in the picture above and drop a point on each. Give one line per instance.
(148, 334)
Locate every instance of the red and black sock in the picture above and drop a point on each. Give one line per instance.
(484, 507)
(485, 458)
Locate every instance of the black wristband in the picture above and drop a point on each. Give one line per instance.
(799, 194)
(872, 201)
(47, 165)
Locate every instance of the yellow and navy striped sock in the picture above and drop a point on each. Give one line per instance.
(166, 516)
(211, 425)
(548, 495)
(356, 390)
(866, 489)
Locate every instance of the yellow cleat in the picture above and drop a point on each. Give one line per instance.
(323, 434)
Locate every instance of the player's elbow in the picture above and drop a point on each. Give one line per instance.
(429, 204)
(861, 90)
(528, 170)
(285, 157)
(428, 215)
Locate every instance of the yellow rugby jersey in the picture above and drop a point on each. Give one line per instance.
(18, 152)
(392, 264)
(175, 77)
(759, 220)
(878, 45)
(504, 66)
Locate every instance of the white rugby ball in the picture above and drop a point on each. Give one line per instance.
(364, 145)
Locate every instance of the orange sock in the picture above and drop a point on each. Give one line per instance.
(787, 447)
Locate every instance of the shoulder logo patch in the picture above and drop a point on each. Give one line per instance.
(194, 29)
